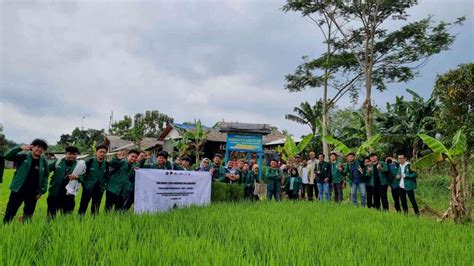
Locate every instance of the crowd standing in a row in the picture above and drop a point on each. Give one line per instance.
(311, 178)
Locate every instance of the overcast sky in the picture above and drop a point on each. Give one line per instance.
(213, 60)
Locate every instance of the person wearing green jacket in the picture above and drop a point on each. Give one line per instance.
(30, 180)
(406, 178)
(378, 183)
(274, 177)
(118, 187)
(293, 184)
(216, 169)
(58, 199)
(337, 177)
(247, 178)
(161, 163)
(186, 163)
(94, 181)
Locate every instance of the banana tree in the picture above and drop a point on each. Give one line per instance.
(198, 137)
(181, 145)
(362, 150)
(459, 205)
(290, 149)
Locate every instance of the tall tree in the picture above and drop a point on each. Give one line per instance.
(198, 137)
(318, 72)
(308, 114)
(455, 91)
(381, 56)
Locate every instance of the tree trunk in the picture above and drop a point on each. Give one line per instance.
(368, 104)
(466, 186)
(458, 206)
(325, 96)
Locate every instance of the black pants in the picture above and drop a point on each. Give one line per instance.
(293, 195)
(128, 202)
(411, 196)
(312, 190)
(338, 192)
(62, 203)
(113, 201)
(248, 192)
(14, 203)
(396, 198)
(303, 192)
(377, 195)
(96, 196)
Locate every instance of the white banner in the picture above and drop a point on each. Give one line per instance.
(161, 190)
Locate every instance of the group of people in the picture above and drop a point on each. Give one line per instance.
(311, 178)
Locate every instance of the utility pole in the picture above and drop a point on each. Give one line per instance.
(82, 124)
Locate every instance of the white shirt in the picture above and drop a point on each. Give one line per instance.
(402, 174)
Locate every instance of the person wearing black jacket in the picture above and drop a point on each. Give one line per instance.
(323, 178)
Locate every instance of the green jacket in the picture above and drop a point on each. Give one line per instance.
(247, 178)
(348, 173)
(95, 174)
(167, 166)
(119, 182)
(336, 175)
(58, 176)
(410, 177)
(273, 175)
(392, 181)
(297, 184)
(219, 173)
(382, 174)
(325, 169)
(23, 161)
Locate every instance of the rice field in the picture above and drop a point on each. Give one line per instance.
(263, 233)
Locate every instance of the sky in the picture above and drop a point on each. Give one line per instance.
(209, 60)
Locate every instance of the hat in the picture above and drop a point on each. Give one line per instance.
(218, 155)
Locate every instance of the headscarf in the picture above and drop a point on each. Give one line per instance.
(204, 168)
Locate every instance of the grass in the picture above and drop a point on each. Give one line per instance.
(237, 233)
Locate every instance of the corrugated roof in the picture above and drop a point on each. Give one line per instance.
(245, 127)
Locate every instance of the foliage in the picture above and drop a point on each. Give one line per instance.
(149, 124)
(308, 114)
(290, 149)
(362, 150)
(403, 120)
(83, 139)
(198, 137)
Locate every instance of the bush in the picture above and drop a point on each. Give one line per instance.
(222, 192)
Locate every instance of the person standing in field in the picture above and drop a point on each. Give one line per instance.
(231, 175)
(311, 187)
(378, 182)
(30, 180)
(2, 166)
(337, 177)
(161, 163)
(293, 184)
(354, 172)
(216, 169)
(323, 178)
(58, 198)
(119, 181)
(274, 178)
(299, 165)
(407, 182)
(94, 181)
(393, 182)
(247, 178)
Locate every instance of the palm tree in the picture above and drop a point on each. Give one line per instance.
(308, 114)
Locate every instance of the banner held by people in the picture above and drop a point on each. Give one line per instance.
(161, 190)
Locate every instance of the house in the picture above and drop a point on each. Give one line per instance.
(116, 144)
(217, 137)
